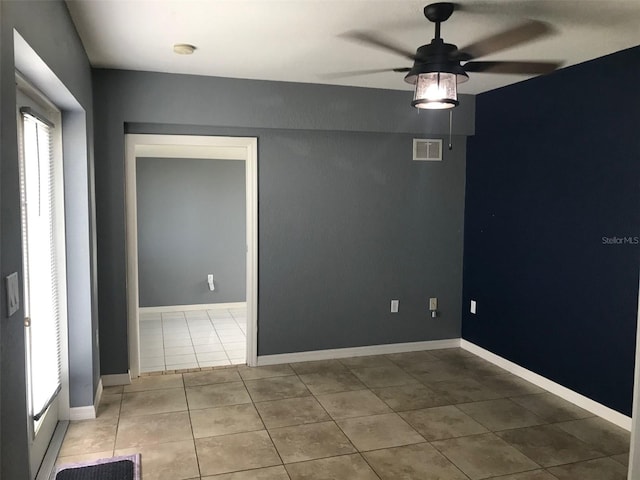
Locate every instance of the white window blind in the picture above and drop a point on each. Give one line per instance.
(42, 314)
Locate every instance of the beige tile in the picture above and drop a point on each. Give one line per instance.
(549, 445)
(438, 423)
(153, 401)
(308, 442)
(152, 429)
(109, 406)
(225, 420)
(508, 385)
(276, 388)
(412, 361)
(501, 414)
(223, 375)
(158, 382)
(331, 382)
(478, 367)
(218, 395)
(378, 377)
(367, 362)
(231, 453)
(413, 462)
(89, 436)
(84, 457)
(112, 390)
(352, 404)
(269, 473)
(317, 366)
(599, 469)
(291, 411)
(439, 371)
(599, 434)
(482, 456)
(551, 408)
(411, 397)
(464, 390)
(166, 461)
(532, 475)
(255, 373)
(451, 353)
(622, 459)
(379, 431)
(348, 467)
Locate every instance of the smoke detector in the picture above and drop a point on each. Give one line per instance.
(184, 48)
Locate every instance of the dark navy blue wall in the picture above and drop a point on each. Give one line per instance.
(555, 167)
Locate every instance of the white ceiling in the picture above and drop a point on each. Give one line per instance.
(299, 40)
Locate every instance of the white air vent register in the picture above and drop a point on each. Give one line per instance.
(426, 149)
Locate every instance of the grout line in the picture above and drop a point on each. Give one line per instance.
(264, 424)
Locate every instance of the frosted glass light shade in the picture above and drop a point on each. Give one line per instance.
(436, 90)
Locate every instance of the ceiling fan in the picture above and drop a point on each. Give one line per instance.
(438, 66)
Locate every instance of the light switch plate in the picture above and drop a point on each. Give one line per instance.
(13, 294)
(473, 306)
(395, 304)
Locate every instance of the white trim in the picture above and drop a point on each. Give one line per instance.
(357, 351)
(82, 413)
(206, 152)
(563, 392)
(189, 308)
(90, 411)
(634, 452)
(131, 208)
(98, 396)
(141, 142)
(116, 379)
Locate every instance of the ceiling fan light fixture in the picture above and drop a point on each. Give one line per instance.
(436, 91)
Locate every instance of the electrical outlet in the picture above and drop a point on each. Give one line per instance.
(473, 307)
(395, 305)
(433, 304)
(13, 294)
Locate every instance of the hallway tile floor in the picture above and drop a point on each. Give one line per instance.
(192, 339)
(430, 415)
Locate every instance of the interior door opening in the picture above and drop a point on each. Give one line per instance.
(181, 335)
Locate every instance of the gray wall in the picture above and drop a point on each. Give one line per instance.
(191, 222)
(47, 28)
(346, 220)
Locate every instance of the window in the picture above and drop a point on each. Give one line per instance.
(42, 244)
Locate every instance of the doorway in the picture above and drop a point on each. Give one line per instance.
(226, 319)
(44, 268)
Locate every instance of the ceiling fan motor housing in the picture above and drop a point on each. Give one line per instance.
(439, 12)
(436, 57)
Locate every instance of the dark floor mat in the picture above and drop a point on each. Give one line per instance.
(119, 470)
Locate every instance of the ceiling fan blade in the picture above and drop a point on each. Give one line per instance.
(357, 73)
(525, 32)
(524, 68)
(376, 40)
(612, 12)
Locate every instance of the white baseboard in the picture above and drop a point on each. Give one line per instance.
(116, 379)
(88, 412)
(98, 396)
(576, 398)
(356, 351)
(82, 413)
(189, 308)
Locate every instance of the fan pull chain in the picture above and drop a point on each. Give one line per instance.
(450, 128)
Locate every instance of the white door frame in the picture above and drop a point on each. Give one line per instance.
(191, 146)
(634, 453)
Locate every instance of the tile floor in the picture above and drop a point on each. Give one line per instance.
(432, 415)
(192, 339)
